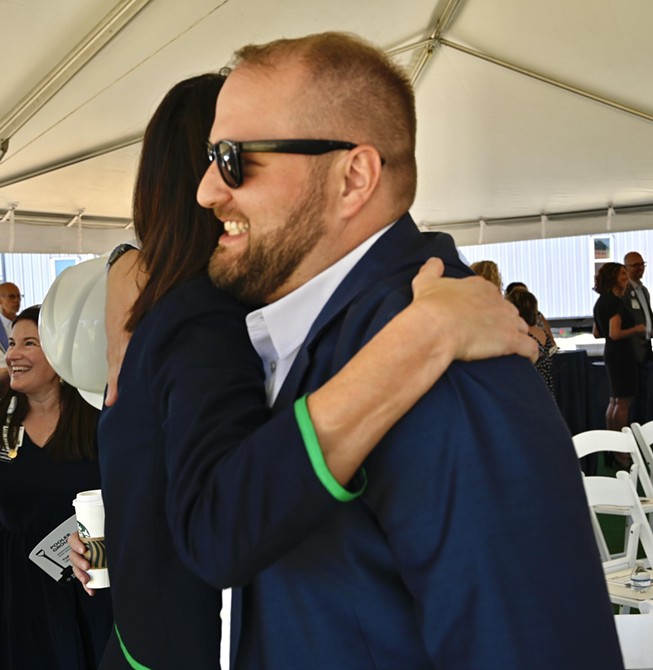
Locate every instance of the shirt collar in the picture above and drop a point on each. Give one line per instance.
(6, 322)
(278, 330)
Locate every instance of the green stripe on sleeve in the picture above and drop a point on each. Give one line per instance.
(316, 457)
(130, 659)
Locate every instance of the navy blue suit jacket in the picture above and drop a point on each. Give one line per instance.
(471, 548)
(195, 498)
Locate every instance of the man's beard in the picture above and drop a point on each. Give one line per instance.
(268, 263)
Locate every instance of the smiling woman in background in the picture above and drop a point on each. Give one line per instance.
(614, 321)
(47, 455)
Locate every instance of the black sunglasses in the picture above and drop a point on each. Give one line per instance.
(226, 153)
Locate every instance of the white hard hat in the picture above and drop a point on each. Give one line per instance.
(71, 328)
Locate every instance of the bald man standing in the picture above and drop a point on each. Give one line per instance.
(9, 306)
(638, 300)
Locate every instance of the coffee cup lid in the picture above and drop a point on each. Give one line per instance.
(92, 497)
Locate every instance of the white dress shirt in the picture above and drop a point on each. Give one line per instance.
(278, 330)
(643, 301)
(6, 324)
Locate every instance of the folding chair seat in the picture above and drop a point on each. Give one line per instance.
(595, 441)
(619, 493)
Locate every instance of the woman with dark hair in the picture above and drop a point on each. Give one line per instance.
(515, 284)
(526, 304)
(173, 245)
(614, 322)
(175, 437)
(540, 322)
(47, 455)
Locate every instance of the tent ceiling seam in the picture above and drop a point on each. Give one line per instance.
(71, 160)
(106, 30)
(548, 80)
(429, 46)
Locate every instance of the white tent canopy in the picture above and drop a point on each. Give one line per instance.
(534, 118)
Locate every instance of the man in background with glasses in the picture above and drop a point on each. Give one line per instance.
(470, 538)
(638, 301)
(9, 307)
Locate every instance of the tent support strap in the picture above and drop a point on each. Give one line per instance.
(549, 80)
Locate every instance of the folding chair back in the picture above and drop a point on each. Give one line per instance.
(643, 434)
(594, 441)
(619, 493)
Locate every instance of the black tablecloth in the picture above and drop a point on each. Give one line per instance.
(582, 391)
(572, 378)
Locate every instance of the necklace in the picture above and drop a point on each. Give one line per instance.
(7, 453)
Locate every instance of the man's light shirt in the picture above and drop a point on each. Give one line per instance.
(278, 330)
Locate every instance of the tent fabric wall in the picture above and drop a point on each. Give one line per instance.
(34, 273)
(39, 238)
(555, 226)
(560, 271)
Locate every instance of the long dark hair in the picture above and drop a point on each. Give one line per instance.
(177, 235)
(526, 303)
(73, 438)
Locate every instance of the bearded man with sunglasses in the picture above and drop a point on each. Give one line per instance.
(472, 533)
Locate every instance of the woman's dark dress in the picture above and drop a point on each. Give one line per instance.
(544, 364)
(44, 625)
(619, 355)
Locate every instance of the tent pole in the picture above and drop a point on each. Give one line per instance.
(643, 208)
(71, 160)
(68, 67)
(429, 45)
(548, 80)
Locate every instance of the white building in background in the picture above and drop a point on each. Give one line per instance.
(560, 271)
(34, 273)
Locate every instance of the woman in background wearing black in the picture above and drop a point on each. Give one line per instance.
(47, 455)
(614, 322)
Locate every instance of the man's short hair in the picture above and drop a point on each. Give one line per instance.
(363, 97)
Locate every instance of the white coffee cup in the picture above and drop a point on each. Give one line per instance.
(89, 511)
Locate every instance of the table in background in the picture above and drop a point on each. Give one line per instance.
(581, 387)
(582, 391)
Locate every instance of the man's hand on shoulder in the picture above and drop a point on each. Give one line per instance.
(470, 315)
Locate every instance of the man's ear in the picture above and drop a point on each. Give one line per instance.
(361, 176)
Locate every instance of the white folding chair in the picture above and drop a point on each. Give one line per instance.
(643, 434)
(619, 493)
(635, 633)
(594, 441)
